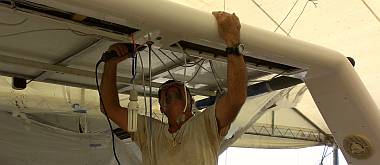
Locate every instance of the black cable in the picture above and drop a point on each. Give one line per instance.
(370, 10)
(196, 63)
(295, 3)
(174, 55)
(167, 56)
(163, 63)
(105, 112)
(205, 69)
(80, 126)
(270, 17)
(196, 72)
(328, 154)
(171, 59)
(193, 64)
(299, 16)
(315, 2)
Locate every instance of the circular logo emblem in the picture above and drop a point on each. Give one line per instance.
(357, 147)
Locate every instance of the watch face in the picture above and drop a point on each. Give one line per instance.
(237, 50)
(241, 48)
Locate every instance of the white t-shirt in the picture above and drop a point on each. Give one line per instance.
(197, 142)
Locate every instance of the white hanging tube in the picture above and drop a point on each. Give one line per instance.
(133, 108)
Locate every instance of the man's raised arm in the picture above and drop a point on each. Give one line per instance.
(108, 88)
(229, 105)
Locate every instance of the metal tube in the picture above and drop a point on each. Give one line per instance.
(335, 155)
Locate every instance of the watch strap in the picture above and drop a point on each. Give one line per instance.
(233, 50)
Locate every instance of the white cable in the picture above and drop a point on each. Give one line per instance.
(43, 30)
(14, 24)
(143, 82)
(216, 77)
(14, 8)
(67, 95)
(224, 5)
(150, 43)
(184, 77)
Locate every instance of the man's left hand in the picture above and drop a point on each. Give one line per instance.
(228, 27)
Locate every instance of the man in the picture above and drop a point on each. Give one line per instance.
(186, 139)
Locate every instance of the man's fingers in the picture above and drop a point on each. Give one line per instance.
(236, 17)
(119, 51)
(125, 50)
(217, 12)
(218, 15)
(120, 48)
(222, 17)
(123, 58)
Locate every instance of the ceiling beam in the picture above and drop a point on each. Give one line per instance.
(177, 62)
(165, 68)
(251, 76)
(309, 121)
(66, 60)
(79, 72)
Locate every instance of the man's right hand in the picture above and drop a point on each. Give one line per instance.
(108, 88)
(121, 50)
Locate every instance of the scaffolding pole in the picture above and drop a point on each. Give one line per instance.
(335, 155)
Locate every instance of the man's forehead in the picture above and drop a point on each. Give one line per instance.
(171, 87)
(174, 86)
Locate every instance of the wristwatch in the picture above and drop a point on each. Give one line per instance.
(236, 50)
